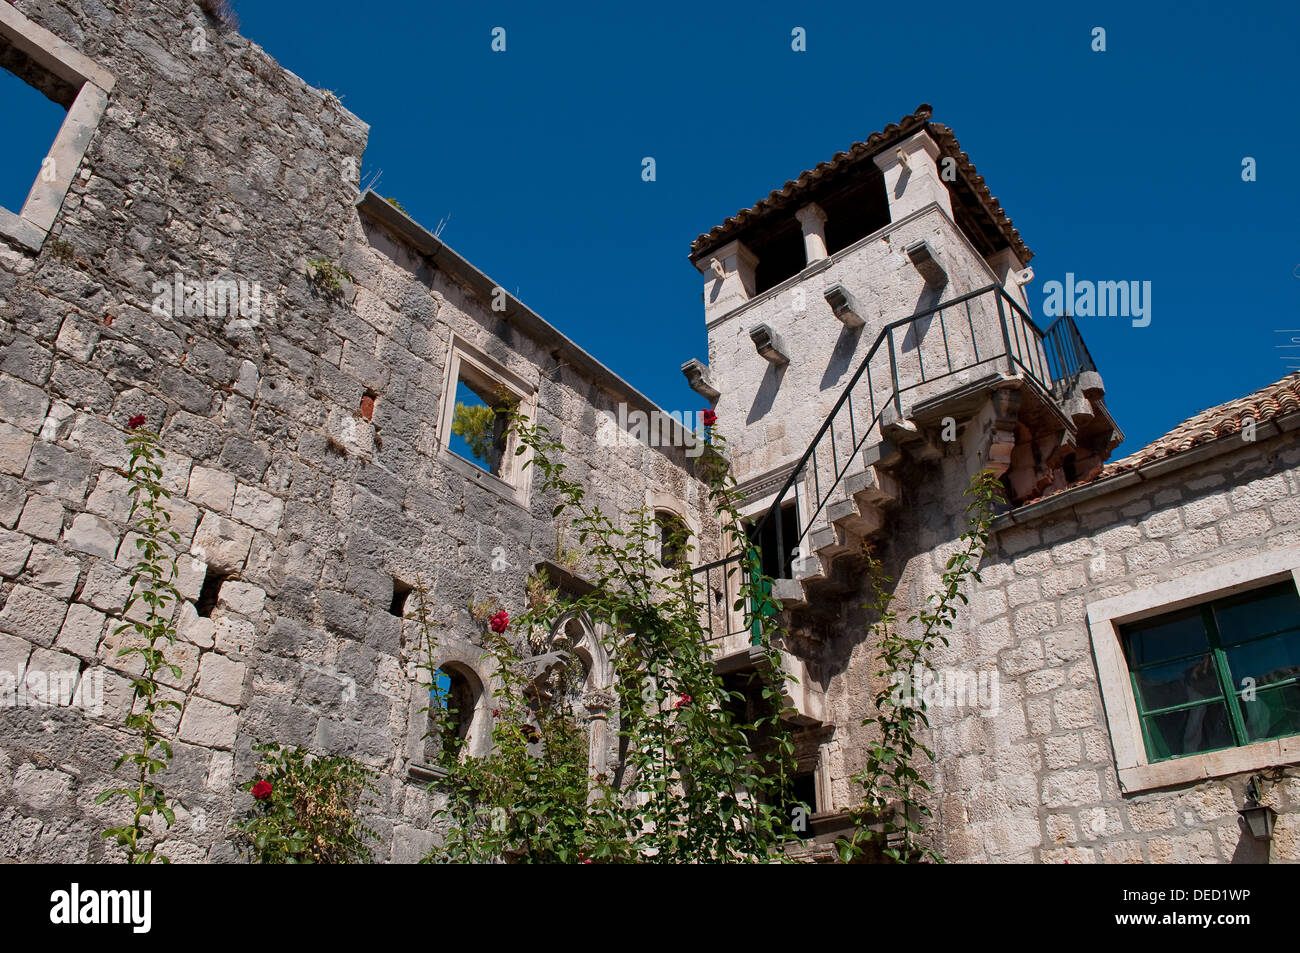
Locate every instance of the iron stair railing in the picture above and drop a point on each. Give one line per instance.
(848, 426)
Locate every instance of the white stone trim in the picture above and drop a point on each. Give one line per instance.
(31, 226)
(514, 481)
(662, 500)
(1105, 616)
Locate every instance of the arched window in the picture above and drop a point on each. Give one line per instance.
(453, 703)
(674, 540)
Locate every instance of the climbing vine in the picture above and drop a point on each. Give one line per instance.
(890, 819)
(706, 771)
(153, 587)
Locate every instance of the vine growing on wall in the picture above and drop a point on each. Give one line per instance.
(305, 809)
(894, 808)
(153, 587)
(706, 771)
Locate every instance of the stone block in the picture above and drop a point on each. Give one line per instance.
(33, 615)
(209, 724)
(257, 508)
(14, 548)
(92, 535)
(222, 543)
(213, 489)
(82, 628)
(42, 517)
(15, 447)
(22, 404)
(221, 679)
(58, 472)
(242, 598)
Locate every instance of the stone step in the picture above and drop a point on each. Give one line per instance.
(855, 521)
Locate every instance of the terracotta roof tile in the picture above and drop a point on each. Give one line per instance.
(1275, 400)
(789, 194)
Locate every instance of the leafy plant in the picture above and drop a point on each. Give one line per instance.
(327, 276)
(704, 779)
(476, 425)
(480, 610)
(890, 817)
(62, 250)
(152, 586)
(570, 559)
(305, 809)
(538, 590)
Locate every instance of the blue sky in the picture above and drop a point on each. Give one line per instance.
(1122, 165)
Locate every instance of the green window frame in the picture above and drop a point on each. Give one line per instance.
(1221, 674)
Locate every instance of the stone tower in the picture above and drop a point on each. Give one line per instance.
(871, 346)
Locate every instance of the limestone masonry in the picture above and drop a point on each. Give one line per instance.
(199, 254)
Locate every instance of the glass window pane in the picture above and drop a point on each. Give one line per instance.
(1258, 613)
(1273, 713)
(1188, 731)
(1268, 661)
(1170, 637)
(1175, 683)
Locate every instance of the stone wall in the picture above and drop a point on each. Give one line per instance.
(1037, 781)
(302, 442)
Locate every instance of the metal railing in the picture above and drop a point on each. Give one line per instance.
(1067, 355)
(981, 328)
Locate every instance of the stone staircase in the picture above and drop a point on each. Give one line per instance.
(857, 512)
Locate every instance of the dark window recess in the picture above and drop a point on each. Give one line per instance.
(1070, 468)
(804, 794)
(672, 539)
(773, 565)
(451, 710)
(209, 594)
(780, 256)
(855, 212)
(400, 592)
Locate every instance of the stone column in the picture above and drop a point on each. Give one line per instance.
(912, 176)
(735, 286)
(597, 704)
(813, 221)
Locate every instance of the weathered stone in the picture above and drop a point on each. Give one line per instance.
(213, 489)
(221, 679)
(14, 548)
(91, 535)
(15, 447)
(258, 509)
(42, 517)
(241, 597)
(209, 724)
(33, 615)
(82, 628)
(222, 543)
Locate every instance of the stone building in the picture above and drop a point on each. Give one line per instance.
(198, 254)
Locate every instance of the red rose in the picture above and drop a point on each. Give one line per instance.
(499, 622)
(709, 417)
(262, 790)
(136, 421)
(683, 701)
